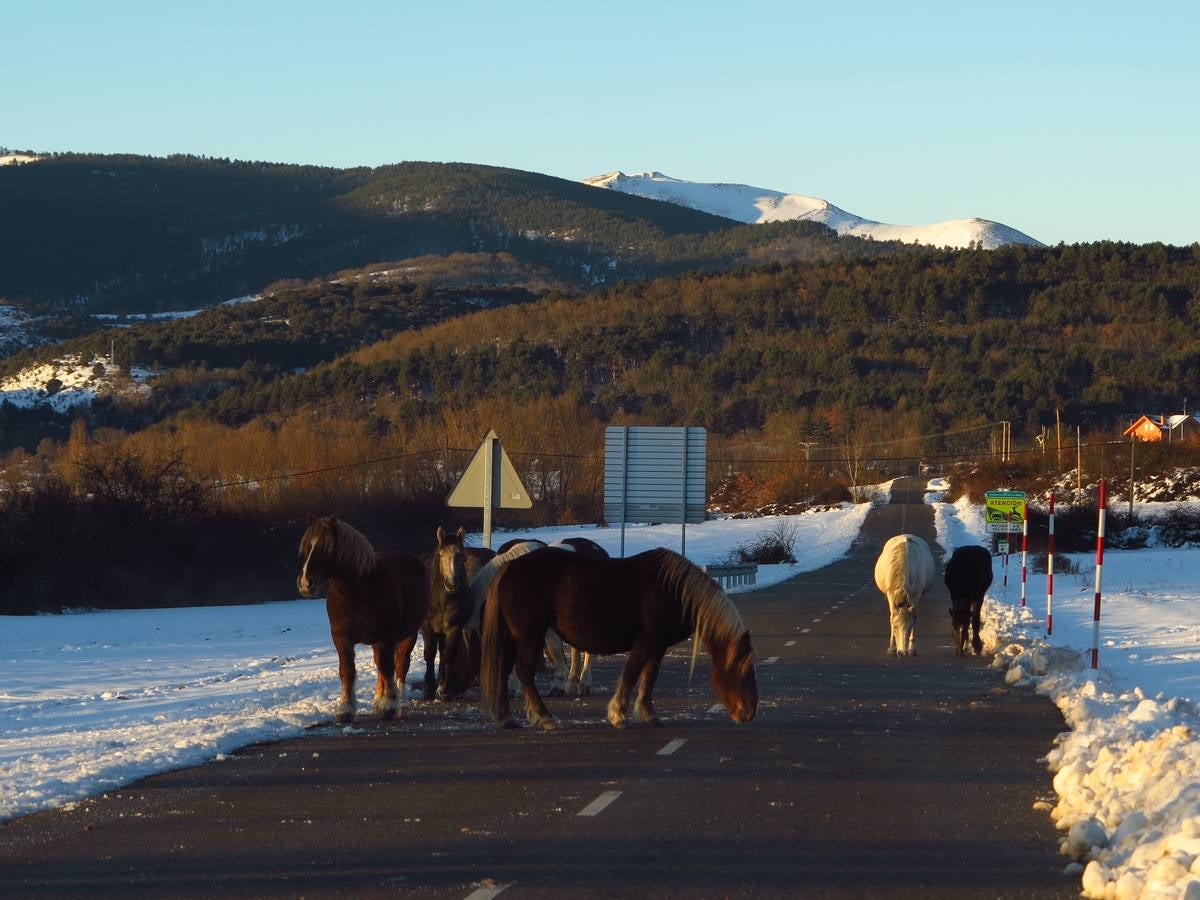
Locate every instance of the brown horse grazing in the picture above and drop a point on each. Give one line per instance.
(373, 598)
(643, 604)
(451, 569)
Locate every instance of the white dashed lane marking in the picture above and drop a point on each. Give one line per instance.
(671, 746)
(770, 659)
(716, 708)
(790, 644)
(805, 630)
(600, 804)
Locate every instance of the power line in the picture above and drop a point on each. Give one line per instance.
(724, 460)
(350, 465)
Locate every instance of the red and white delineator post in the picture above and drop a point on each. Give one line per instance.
(1099, 570)
(1050, 572)
(1024, 552)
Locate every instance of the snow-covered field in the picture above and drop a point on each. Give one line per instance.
(92, 701)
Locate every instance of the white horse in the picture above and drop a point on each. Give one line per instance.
(904, 573)
(574, 677)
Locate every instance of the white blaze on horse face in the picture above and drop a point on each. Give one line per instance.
(305, 585)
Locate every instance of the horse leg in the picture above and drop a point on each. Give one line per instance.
(579, 680)
(643, 706)
(912, 632)
(443, 670)
(976, 641)
(346, 675)
(620, 698)
(583, 681)
(535, 708)
(892, 628)
(404, 649)
(429, 639)
(387, 699)
(554, 650)
(508, 656)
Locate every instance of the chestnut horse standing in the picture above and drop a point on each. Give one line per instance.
(373, 598)
(644, 604)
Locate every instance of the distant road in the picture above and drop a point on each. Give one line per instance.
(862, 776)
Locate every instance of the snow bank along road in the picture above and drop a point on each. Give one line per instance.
(861, 776)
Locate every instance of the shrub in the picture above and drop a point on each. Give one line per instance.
(772, 546)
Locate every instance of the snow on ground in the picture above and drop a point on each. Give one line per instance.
(14, 329)
(745, 203)
(93, 701)
(131, 319)
(70, 382)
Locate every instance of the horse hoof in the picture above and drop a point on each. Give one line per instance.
(386, 715)
(344, 718)
(548, 724)
(510, 722)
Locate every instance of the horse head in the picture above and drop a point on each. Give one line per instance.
(734, 679)
(317, 547)
(450, 560)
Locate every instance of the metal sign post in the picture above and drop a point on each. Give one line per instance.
(655, 475)
(1004, 513)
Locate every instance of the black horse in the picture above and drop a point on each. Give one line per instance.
(451, 569)
(968, 576)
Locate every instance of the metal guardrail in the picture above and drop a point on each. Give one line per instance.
(733, 576)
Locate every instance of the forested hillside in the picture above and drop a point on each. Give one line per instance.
(942, 337)
(143, 234)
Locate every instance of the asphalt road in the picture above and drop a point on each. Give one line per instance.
(861, 776)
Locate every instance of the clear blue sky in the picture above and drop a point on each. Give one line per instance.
(1072, 121)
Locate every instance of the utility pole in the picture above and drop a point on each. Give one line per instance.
(1078, 466)
(1058, 428)
(1131, 483)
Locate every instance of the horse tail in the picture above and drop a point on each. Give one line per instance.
(491, 678)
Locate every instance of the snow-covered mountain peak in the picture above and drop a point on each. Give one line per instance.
(745, 203)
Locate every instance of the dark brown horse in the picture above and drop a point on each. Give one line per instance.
(643, 604)
(451, 568)
(968, 576)
(373, 598)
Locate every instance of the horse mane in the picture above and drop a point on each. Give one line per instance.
(348, 546)
(715, 617)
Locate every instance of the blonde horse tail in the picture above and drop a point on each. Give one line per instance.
(491, 678)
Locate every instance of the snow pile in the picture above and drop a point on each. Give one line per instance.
(755, 205)
(70, 382)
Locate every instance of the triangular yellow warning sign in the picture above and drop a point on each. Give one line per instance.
(507, 490)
